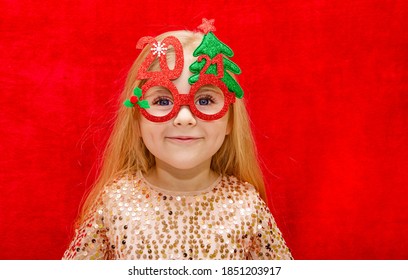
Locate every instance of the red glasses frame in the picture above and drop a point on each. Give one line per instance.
(181, 99)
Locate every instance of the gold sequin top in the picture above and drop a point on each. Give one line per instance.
(133, 219)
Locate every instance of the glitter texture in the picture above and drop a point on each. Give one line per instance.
(135, 220)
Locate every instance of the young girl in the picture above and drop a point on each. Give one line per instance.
(180, 177)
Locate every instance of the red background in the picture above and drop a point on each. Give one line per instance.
(326, 84)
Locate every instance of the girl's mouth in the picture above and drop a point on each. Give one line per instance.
(183, 139)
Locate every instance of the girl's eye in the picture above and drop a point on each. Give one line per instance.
(205, 100)
(162, 101)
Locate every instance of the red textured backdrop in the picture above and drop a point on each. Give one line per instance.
(327, 89)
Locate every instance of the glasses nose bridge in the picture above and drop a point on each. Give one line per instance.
(184, 99)
(185, 115)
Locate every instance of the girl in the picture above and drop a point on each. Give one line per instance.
(180, 177)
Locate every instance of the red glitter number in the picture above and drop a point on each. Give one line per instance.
(165, 71)
(208, 62)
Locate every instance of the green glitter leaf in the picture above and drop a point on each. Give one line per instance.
(138, 92)
(128, 104)
(143, 104)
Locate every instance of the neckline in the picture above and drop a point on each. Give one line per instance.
(182, 193)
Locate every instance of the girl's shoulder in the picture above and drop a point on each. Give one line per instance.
(238, 188)
(118, 186)
(234, 183)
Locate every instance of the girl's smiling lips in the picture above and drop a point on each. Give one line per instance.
(183, 139)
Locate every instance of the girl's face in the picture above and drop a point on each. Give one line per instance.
(184, 142)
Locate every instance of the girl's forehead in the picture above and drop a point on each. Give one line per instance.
(181, 83)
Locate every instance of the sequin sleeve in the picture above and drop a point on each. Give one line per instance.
(90, 241)
(267, 240)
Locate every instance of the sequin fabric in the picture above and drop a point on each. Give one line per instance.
(133, 219)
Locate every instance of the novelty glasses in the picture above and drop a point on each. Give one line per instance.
(158, 99)
(208, 99)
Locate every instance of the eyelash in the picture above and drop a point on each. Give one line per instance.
(161, 98)
(206, 96)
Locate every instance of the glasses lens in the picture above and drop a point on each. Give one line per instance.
(160, 100)
(209, 100)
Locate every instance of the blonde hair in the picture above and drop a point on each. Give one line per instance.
(125, 152)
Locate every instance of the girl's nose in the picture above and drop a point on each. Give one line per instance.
(185, 117)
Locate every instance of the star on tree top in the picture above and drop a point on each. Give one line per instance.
(207, 26)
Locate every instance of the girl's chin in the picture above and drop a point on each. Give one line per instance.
(185, 164)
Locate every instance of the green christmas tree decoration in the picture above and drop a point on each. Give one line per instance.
(212, 46)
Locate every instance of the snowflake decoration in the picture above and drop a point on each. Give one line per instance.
(158, 49)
